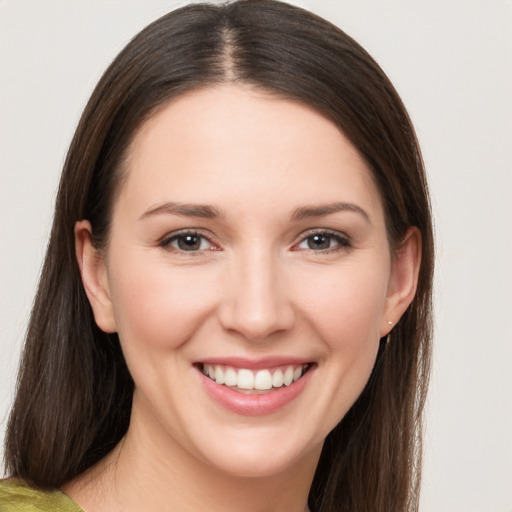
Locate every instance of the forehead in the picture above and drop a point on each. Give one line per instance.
(229, 143)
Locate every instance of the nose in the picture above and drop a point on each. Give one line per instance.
(256, 303)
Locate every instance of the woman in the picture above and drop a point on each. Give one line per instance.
(235, 304)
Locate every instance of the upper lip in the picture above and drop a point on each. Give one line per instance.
(255, 364)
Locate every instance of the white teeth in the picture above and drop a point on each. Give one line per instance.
(245, 379)
(277, 379)
(230, 377)
(219, 375)
(248, 379)
(263, 380)
(288, 376)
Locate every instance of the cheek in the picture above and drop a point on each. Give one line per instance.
(345, 311)
(157, 307)
(345, 304)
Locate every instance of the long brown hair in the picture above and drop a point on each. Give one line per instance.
(74, 390)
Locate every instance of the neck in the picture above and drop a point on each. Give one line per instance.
(148, 471)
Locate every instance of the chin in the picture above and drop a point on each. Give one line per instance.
(259, 462)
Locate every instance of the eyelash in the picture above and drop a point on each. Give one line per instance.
(342, 241)
(180, 235)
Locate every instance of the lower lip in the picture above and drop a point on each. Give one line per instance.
(255, 405)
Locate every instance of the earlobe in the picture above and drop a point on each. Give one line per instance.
(93, 271)
(403, 280)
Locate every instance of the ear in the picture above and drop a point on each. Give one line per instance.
(403, 279)
(93, 270)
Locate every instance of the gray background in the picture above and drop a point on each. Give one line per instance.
(452, 64)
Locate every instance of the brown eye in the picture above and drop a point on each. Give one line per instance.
(187, 242)
(324, 241)
(319, 242)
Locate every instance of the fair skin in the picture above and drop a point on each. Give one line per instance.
(248, 237)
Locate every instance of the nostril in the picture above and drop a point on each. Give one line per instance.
(257, 324)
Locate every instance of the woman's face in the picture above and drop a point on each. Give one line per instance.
(248, 242)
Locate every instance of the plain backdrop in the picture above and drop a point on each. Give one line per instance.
(452, 64)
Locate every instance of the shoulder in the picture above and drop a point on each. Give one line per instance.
(16, 496)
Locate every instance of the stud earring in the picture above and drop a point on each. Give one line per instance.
(388, 337)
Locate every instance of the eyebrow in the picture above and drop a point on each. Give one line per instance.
(204, 211)
(306, 212)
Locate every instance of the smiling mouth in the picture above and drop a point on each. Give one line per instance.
(260, 381)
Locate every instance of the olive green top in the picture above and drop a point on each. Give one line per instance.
(16, 496)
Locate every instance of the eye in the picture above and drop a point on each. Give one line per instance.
(323, 241)
(187, 241)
